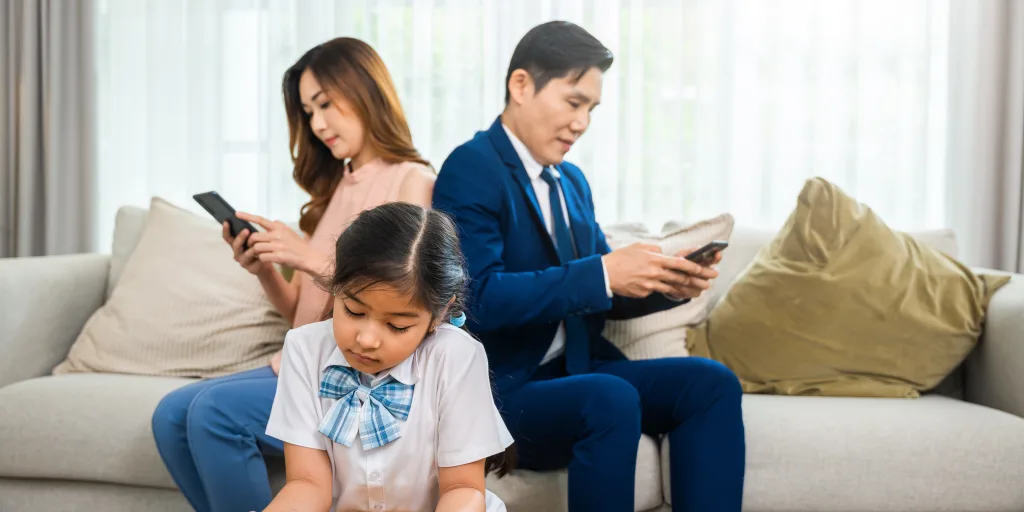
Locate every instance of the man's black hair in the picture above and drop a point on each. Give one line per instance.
(557, 49)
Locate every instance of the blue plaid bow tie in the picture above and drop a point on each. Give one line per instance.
(374, 410)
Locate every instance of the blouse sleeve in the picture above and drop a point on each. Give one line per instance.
(294, 417)
(469, 425)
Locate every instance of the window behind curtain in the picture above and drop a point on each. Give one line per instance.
(711, 106)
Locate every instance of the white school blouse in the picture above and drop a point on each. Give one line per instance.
(452, 420)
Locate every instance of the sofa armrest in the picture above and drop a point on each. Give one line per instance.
(995, 369)
(44, 303)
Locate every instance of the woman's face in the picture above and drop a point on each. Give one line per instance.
(332, 119)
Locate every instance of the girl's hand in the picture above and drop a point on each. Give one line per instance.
(279, 244)
(248, 259)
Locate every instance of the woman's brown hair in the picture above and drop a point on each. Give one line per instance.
(350, 69)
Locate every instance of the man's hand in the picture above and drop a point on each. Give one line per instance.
(638, 270)
(693, 289)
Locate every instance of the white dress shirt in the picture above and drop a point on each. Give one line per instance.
(452, 420)
(540, 188)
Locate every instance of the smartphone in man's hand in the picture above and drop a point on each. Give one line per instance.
(705, 255)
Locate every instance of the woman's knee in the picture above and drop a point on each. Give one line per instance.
(171, 415)
(211, 408)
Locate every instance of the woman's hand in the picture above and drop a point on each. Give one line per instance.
(279, 244)
(248, 259)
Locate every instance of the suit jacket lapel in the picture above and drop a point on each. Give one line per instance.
(508, 155)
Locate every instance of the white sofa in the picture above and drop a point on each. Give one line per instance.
(83, 442)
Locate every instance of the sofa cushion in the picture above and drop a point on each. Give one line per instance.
(663, 334)
(221, 320)
(548, 491)
(63, 496)
(821, 454)
(84, 427)
(839, 304)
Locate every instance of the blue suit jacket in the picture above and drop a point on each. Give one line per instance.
(519, 293)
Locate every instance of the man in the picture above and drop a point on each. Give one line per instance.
(545, 280)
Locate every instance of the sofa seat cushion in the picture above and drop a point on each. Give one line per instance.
(94, 427)
(548, 491)
(829, 454)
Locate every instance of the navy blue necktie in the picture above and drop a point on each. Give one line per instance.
(577, 343)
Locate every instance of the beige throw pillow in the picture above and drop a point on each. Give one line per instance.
(182, 307)
(663, 334)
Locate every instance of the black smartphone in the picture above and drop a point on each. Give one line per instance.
(213, 203)
(705, 255)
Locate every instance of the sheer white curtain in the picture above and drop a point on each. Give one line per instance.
(711, 106)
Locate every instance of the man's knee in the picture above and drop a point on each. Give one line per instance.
(717, 381)
(610, 402)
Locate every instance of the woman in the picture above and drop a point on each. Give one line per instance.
(352, 150)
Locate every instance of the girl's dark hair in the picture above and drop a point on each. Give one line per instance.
(347, 68)
(414, 250)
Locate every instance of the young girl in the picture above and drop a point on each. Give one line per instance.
(388, 406)
(352, 150)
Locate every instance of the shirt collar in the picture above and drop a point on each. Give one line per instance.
(402, 372)
(533, 169)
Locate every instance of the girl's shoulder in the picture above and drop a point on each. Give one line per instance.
(314, 341)
(449, 350)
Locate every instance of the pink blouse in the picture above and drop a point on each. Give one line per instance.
(372, 185)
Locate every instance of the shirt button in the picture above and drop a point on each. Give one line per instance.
(375, 476)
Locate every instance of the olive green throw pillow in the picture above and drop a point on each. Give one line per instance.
(838, 304)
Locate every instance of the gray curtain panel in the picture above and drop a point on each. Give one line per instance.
(985, 184)
(47, 127)
(1009, 239)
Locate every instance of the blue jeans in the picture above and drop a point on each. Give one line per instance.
(591, 424)
(211, 435)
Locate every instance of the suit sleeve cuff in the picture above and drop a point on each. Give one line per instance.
(607, 283)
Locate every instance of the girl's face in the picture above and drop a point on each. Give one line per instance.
(379, 327)
(332, 119)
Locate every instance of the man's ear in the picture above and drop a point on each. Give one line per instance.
(520, 86)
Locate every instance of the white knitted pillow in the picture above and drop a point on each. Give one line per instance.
(663, 334)
(182, 307)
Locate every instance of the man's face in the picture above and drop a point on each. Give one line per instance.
(554, 118)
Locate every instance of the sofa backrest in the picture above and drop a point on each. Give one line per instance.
(127, 230)
(743, 247)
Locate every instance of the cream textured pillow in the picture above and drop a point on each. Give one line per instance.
(182, 307)
(663, 334)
